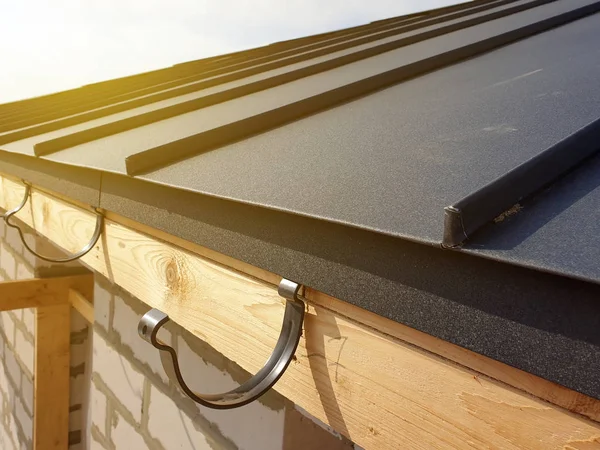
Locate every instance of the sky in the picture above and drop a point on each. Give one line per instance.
(51, 45)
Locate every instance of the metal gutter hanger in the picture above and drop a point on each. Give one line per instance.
(79, 254)
(264, 379)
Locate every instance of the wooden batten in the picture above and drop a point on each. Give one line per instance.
(40, 292)
(82, 305)
(50, 297)
(383, 385)
(51, 383)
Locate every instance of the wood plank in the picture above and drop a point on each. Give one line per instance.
(380, 391)
(51, 383)
(539, 387)
(38, 292)
(82, 305)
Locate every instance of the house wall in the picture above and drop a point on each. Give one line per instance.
(120, 396)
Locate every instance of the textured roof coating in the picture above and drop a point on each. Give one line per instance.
(376, 165)
(331, 159)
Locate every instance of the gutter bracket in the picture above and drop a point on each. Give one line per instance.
(79, 254)
(262, 381)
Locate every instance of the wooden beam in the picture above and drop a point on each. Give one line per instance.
(82, 305)
(361, 375)
(51, 383)
(39, 292)
(50, 297)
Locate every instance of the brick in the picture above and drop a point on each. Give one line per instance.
(77, 389)
(173, 428)
(12, 428)
(125, 436)
(10, 397)
(75, 420)
(24, 272)
(25, 350)
(102, 305)
(119, 375)
(78, 323)
(14, 240)
(5, 442)
(238, 425)
(98, 409)
(95, 444)
(29, 319)
(79, 354)
(125, 322)
(8, 326)
(24, 419)
(27, 393)
(13, 368)
(4, 381)
(8, 262)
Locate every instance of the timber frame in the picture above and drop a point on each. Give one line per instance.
(51, 298)
(380, 383)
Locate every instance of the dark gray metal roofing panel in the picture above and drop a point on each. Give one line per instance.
(557, 231)
(393, 160)
(107, 153)
(211, 117)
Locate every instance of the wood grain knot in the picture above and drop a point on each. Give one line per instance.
(178, 279)
(172, 273)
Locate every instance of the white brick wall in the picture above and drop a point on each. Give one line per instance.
(8, 326)
(8, 263)
(24, 419)
(125, 323)
(171, 427)
(102, 305)
(125, 436)
(98, 408)
(12, 366)
(24, 272)
(244, 426)
(119, 375)
(27, 394)
(25, 350)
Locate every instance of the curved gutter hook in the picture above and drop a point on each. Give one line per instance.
(264, 379)
(79, 254)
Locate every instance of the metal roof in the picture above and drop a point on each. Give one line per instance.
(374, 163)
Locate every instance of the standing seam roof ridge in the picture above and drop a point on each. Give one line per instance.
(466, 216)
(58, 110)
(163, 155)
(63, 142)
